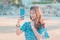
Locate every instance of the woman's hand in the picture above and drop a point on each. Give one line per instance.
(18, 22)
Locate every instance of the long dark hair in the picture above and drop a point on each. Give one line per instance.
(38, 20)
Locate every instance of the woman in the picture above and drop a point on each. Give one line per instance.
(35, 29)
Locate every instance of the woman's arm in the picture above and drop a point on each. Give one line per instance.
(19, 19)
(18, 32)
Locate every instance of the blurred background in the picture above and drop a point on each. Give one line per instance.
(10, 10)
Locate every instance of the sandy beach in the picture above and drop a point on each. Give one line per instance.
(7, 29)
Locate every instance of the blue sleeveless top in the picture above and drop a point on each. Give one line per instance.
(29, 34)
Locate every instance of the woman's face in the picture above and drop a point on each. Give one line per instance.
(32, 14)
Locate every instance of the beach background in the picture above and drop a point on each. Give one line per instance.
(9, 12)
